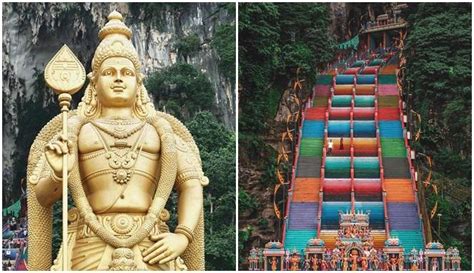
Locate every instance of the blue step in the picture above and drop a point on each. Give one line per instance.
(390, 129)
(297, 239)
(409, 239)
(313, 128)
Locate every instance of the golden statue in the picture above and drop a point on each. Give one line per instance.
(123, 158)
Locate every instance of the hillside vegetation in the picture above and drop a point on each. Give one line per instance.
(438, 50)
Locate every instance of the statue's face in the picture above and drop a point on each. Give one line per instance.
(116, 83)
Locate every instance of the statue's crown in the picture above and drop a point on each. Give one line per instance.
(115, 26)
(115, 42)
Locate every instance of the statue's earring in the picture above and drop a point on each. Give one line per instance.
(92, 104)
(94, 97)
(138, 107)
(139, 98)
(91, 98)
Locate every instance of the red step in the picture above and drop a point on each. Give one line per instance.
(315, 113)
(390, 113)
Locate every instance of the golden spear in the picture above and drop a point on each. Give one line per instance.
(65, 75)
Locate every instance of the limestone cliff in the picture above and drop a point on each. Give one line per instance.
(33, 32)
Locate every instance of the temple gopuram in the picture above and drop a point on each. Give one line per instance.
(354, 250)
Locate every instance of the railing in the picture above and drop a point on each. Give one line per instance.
(377, 26)
(323, 160)
(351, 122)
(322, 173)
(293, 171)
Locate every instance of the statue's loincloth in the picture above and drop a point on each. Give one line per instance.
(89, 252)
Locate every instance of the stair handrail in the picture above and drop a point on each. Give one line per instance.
(323, 160)
(293, 167)
(351, 121)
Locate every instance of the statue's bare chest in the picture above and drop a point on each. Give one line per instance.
(92, 139)
(119, 172)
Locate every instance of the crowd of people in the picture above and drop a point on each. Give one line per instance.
(14, 242)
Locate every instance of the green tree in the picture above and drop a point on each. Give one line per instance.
(274, 40)
(183, 88)
(306, 26)
(438, 50)
(224, 43)
(217, 147)
(188, 45)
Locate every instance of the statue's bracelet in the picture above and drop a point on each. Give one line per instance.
(55, 178)
(184, 230)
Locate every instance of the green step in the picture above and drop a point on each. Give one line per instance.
(320, 101)
(376, 62)
(338, 167)
(341, 101)
(387, 79)
(297, 239)
(409, 239)
(324, 79)
(366, 167)
(388, 101)
(311, 147)
(364, 101)
(358, 63)
(393, 147)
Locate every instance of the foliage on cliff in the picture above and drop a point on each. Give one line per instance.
(181, 90)
(274, 40)
(217, 147)
(188, 45)
(155, 13)
(438, 52)
(224, 43)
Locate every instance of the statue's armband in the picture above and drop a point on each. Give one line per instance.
(189, 167)
(47, 186)
(40, 171)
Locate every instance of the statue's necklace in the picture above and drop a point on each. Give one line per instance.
(122, 159)
(119, 129)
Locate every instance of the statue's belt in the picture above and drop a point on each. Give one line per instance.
(121, 225)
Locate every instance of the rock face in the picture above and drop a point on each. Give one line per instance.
(34, 32)
(338, 18)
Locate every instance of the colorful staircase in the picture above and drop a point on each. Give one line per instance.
(368, 169)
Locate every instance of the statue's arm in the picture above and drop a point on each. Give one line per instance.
(46, 179)
(189, 184)
(190, 203)
(48, 189)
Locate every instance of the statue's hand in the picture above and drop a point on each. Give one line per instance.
(54, 154)
(167, 247)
